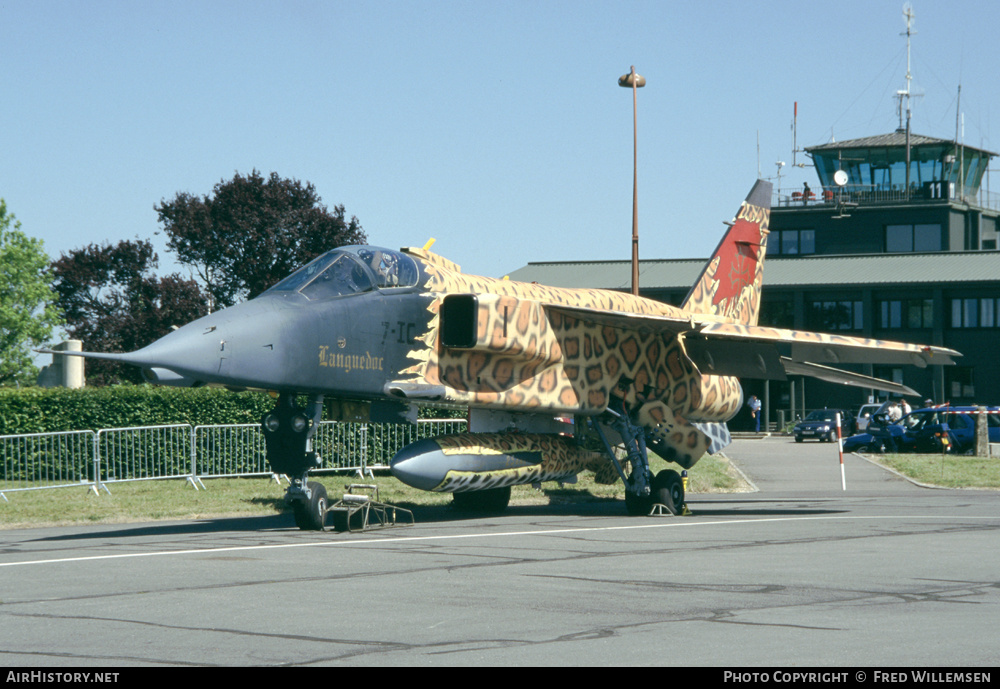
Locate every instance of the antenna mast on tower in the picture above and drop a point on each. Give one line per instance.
(908, 13)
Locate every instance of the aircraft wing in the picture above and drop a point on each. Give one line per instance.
(772, 353)
(836, 375)
(823, 348)
(629, 321)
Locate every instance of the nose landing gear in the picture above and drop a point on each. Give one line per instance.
(288, 432)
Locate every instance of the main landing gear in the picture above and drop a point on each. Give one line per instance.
(288, 433)
(643, 491)
(493, 501)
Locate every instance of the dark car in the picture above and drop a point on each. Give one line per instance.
(932, 430)
(822, 425)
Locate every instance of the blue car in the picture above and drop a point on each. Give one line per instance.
(931, 430)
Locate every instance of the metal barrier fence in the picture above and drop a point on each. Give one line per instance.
(231, 450)
(93, 459)
(47, 460)
(143, 453)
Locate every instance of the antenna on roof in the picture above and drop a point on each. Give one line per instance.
(795, 131)
(909, 15)
(960, 142)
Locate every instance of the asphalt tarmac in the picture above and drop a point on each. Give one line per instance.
(798, 573)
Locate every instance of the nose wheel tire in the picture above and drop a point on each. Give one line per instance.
(310, 515)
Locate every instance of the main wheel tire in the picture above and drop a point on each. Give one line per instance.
(311, 515)
(668, 490)
(486, 501)
(638, 506)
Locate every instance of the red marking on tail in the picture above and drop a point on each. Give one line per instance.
(737, 260)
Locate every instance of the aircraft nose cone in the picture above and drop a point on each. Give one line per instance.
(190, 351)
(235, 346)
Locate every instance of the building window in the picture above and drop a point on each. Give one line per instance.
(907, 313)
(890, 373)
(958, 381)
(910, 238)
(777, 313)
(794, 242)
(975, 313)
(987, 313)
(836, 315)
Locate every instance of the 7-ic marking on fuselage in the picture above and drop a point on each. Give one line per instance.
(403, 331)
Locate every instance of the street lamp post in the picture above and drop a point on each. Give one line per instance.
(634, 81)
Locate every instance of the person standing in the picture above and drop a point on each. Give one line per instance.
(754, 405)
(895, 413)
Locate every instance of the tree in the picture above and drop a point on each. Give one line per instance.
(252, 232)
(27, 313)
(114, 303)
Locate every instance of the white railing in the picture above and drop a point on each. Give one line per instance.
(93, 459)
(35, 461)
(144, 453)
(874, 195)
(230, 450)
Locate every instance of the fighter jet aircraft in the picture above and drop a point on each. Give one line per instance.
(392, 330)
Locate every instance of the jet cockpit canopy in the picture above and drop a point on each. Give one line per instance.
(350, 270)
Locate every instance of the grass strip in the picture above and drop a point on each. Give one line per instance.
(175, 499)
(947, 471)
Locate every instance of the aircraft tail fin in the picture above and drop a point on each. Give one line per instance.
(730, 284)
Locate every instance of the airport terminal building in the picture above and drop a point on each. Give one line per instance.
(899, 241)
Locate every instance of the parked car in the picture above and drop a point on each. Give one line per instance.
(865, 414)
(822, 425)
(932, 430)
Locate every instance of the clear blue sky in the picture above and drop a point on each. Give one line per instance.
(497, 127)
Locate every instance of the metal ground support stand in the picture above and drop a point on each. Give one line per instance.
(360, 510)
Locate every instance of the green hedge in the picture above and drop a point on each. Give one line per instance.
(52, 410)
(49, 410)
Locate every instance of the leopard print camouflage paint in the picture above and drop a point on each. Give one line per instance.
(531, 358)
(559, 459)
(671, 436)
